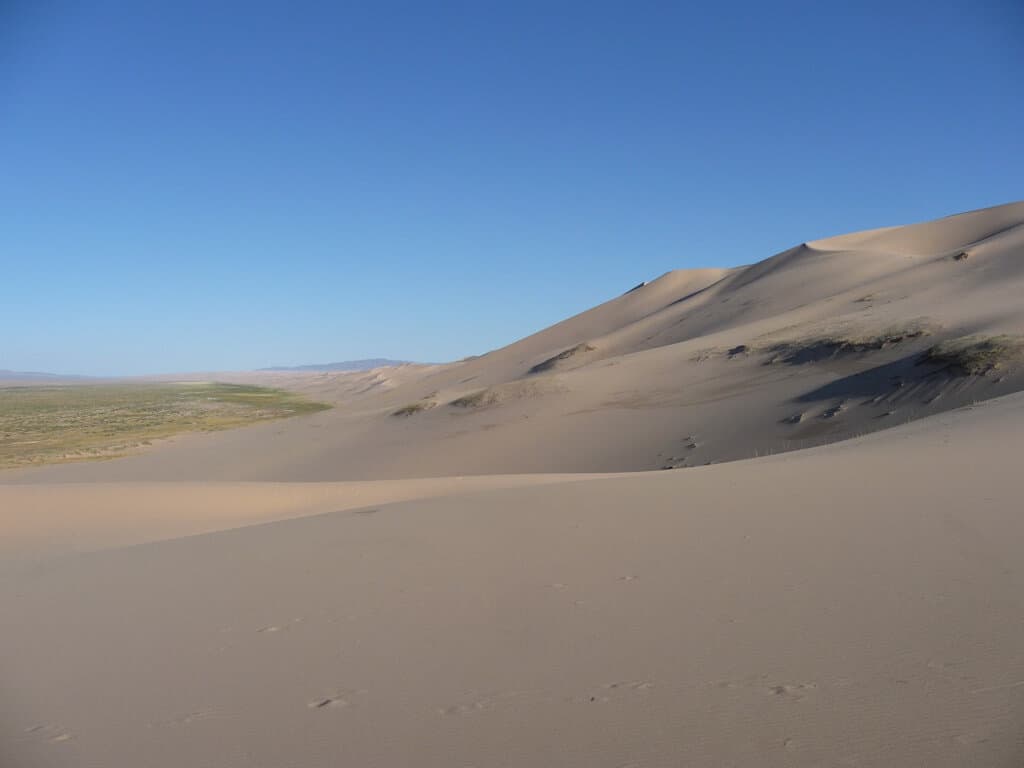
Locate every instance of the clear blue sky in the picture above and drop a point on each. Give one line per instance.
(194, 185)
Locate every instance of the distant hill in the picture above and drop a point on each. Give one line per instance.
(6, 375)
(347, 365)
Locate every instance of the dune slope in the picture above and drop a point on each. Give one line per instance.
(824, 341)
(855, 604)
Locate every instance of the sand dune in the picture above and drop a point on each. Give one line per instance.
(460, 565)
(857, 604)
(46, 519)
(647, 381)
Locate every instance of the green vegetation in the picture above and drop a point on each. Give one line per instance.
(57, 423)
(975, 355)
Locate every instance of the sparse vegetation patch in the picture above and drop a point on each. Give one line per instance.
(59, 423)
(975, 355)
(819, 348)
(476, 399)
(509, 391)
(417, 407)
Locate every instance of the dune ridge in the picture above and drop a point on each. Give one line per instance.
(629, 384)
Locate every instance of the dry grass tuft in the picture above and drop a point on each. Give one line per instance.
(975, 355)
(477, 399)
(826, 347)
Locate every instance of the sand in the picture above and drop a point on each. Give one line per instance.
(355, 588)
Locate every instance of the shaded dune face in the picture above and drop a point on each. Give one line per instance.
(836, 338)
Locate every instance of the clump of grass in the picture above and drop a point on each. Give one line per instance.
(551, 362)
(975, 355)
(508, 392)
(701, 355)
(476, 399)
(411, 408)
(55, 423)
(818, 348)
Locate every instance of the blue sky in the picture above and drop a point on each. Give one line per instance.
(192, 185)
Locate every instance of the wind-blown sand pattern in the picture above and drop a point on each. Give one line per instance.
(428, 602)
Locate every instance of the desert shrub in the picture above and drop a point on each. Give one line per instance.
(411, 408)
(974, 355)
(475, 399)
(825, 347)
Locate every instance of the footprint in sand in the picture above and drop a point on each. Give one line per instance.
(631, 685)
(335, 700)
(271, 628)
(483, 703)
(795, 691)
(49, 732)
(589, 699)
(330, 701)
(186, 719)
(465, 709)
(977, 736)
(612, 688)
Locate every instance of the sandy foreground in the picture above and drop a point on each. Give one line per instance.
(857, 604)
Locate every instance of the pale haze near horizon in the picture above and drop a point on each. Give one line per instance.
(197, 189)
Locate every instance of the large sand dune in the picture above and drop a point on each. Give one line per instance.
(647, 380)
(450, 593)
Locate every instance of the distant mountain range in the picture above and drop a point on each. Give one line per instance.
(6, 375)
(347, 365)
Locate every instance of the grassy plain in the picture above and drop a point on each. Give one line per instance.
(57, 423)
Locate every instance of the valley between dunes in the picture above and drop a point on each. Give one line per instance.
(483, 564)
